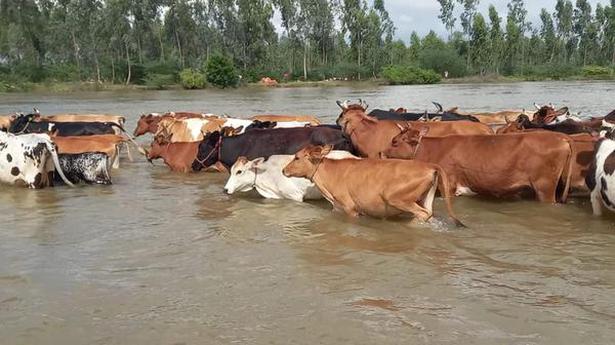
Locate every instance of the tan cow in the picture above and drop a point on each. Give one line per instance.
(395, 187)
(495, 119)
(107, 143)
(371, 136)
(5, 121)
(313, 120)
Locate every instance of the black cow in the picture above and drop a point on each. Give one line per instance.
(264, 143)
(256, 124)
(567, 127)
(24, 124)
(443, 116)
(89, 167)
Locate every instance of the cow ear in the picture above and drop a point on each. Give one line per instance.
(326, 150)
(258, 164)
(562, 111)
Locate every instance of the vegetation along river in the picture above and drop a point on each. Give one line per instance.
(166, 258)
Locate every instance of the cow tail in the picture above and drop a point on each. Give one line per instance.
(130, 138)
(568, 175)
(444, 188)
(56, 162)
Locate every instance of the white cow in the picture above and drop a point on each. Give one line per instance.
(28, 160)
(266, 176)
(601, 175)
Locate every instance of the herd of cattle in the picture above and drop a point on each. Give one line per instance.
(382, 163)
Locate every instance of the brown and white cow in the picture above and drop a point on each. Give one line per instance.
(396, 186)
(495, 165)
(149, 123)
(371, 136)
(601, 176)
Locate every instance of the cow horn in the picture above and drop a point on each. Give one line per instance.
(438, 106)
(506, 119)
(536, 106)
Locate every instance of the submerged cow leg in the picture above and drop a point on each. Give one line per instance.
(545, 190)
(596, 202)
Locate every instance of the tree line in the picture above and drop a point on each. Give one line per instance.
(129, 41)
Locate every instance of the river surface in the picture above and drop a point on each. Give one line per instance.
(165, 258)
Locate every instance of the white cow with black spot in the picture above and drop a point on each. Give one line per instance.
(265, 175)
(29, 160)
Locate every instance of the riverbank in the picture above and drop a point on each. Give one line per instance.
(89, 86)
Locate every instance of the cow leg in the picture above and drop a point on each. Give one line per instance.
(545, 191)
(596, 202)
(128, 152)
(116, 159)
(419, 212)
(429, 198)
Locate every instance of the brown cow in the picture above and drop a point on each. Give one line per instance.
(313, 120)
(117, 119)
(177, 156)
(107, 143)
(395, 186)
(371, 136)
(584, 147)
(499, 165)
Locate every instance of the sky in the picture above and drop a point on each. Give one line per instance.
(422, 15)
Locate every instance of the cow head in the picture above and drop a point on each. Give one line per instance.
(144, 124)
(607, 130)
(306, 161)
(209, 151)
(406, 144)
(256, 124)
(243, 174)
(547, 114)
(21, 121)
(350, 111)
(522, 122)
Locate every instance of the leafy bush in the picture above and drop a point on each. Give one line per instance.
(407, 75)
(167, 67)
(597, 72)
(159, 81)
(442, 60)
(31, 72)
(220, 72)
(549, 71)
(62, 72)
(191, 79)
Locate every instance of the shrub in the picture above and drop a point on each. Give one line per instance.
(62, 72)
(220, 72)
(549, 71)
(159, 81)
(441, 60)
(407, 75)
(191, 79)
(597, 72)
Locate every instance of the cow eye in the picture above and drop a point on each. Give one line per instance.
(239, 172)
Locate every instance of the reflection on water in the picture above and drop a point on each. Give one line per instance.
(160, 257)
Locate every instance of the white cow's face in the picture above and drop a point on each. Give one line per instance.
(243, 175)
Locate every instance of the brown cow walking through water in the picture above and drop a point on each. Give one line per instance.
(395, 186)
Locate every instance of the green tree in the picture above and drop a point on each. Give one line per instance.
(220, 72)
(479, 44)
(447, 9)
(547, 34)
(496, 38)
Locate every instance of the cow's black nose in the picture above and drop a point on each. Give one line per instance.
(226, 190)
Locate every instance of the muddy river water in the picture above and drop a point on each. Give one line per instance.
(165, 258)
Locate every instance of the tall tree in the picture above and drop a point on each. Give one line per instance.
(496, 38)
(447, 15)
(479, 44)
